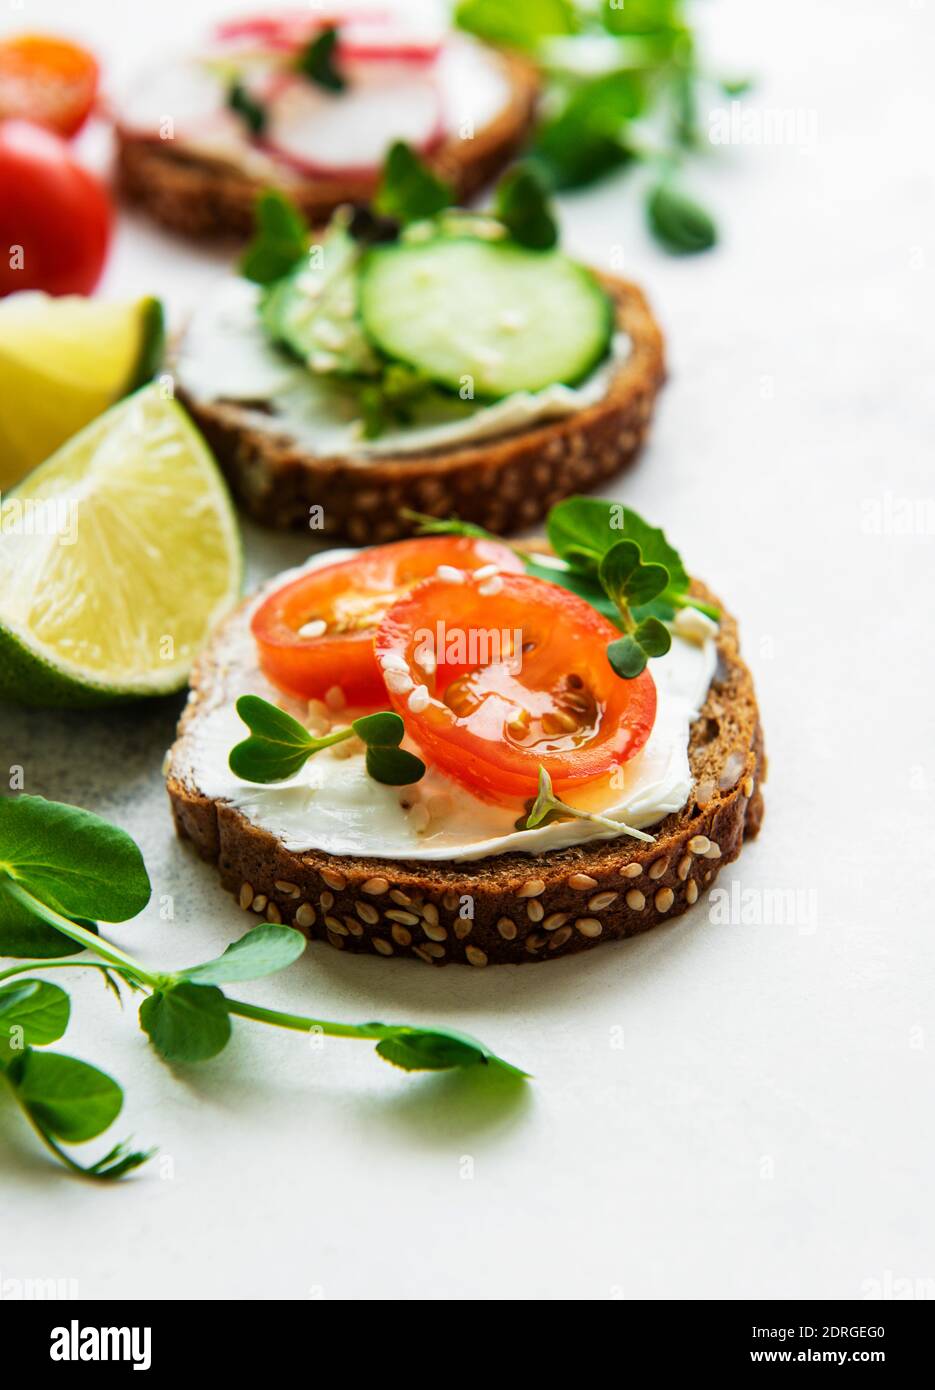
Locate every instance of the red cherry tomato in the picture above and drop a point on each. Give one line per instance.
(55, 216)
(349, 598)
(47, 80)
(518, 678)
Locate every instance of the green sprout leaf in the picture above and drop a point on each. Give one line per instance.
(547, 807)
(522, 206)
(278, 746)
(386, 761)
(438, 1049)
(280, 242)
(408, 190)
(588, 137)
(253, 114)
(66, 1098)
(627, 580)
(628, 656)
(265, 950)
(317, 61)
(186, 1022)
(517, 23)
(680, 224)
(32, 1013)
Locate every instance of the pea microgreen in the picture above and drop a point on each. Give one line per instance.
(316, 61)
(522, 205)
(252, 113)
(280, 241)
(546, 807)
(408, 189)
(56, 859)
(279, 746)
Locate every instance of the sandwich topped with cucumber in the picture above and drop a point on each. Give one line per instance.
(414, 356)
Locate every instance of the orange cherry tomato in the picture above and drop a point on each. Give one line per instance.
(55, 216)
(302, 657)
(47, 80)
(514, 675)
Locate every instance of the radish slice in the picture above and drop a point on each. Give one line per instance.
(177, 100)
(365, 35)
(348, 132)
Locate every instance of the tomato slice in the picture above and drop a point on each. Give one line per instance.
(494, 678)
(47, 80)
(302, 657)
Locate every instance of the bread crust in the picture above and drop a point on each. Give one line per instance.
(210, 198)
(504, 483)
(522, 908)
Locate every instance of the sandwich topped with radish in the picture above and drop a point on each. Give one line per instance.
(308, 101)
(414, 356)
(454, 749)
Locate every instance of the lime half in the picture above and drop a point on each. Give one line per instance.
(62, 362)
(116, 558)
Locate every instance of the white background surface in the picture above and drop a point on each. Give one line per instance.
(767, 1127)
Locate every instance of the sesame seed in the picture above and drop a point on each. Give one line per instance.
(246, 895)
(395, 914)
(334, 879)
(333, 924)
(334, 697)
(291, 890)
(704, 792)
(419, 818)
(531, 888)
(582, 882)
(485, 572)
(699, 844)
(305, 916)
(691, 891)
(450, 900)
(555, 920)
(491, 587)
(633, 871)
(259, 902)
(422, 953)
(463, 927)
(382, 946)
(475, 955)
(534, 910)
(316, 628)
(601, 900)
(400, 897)
(683, 867)
(326, 901)
(589, 926)
(401, 935)
(635, 900)
(426, 660)
(658, 868)
(748, 785)
(399, 682)
(535, 942)
(392, 661)
(429, 913)
(664, 899)
(507, 928)
(319, 710)
(435, 931)
(419, 699)
(432, 949)
(353, 926)
(558, 938)
(367, 914)
(374, 886)
(273, 914)
(335, 941)
(449, 575)
(713, 851)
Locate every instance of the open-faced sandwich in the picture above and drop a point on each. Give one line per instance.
(460, 751)
(308, 102)
(418, 357)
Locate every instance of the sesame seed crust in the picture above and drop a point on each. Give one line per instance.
(478, 912)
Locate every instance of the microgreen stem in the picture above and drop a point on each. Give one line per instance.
(299, 1024)
(106, 950)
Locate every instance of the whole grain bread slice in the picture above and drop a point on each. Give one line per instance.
(504, 483)
(203, 197)
(512, 908)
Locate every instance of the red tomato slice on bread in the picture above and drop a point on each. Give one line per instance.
(317, 631)
(495, 677)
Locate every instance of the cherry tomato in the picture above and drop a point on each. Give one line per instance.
(349, 598)
(47, 80)
(518, 678)
(55, 216)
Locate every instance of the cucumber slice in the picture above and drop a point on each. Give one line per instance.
(504, 318)
(313, 311)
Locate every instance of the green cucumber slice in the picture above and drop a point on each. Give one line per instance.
(488, 315)
(313, 311)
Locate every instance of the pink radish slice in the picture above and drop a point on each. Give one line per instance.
(184, 94)
(347, 133)
(368, 35)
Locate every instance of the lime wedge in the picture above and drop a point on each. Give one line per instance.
(116, 557)
(62, 362)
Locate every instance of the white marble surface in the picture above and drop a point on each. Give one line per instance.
(766, 1128)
